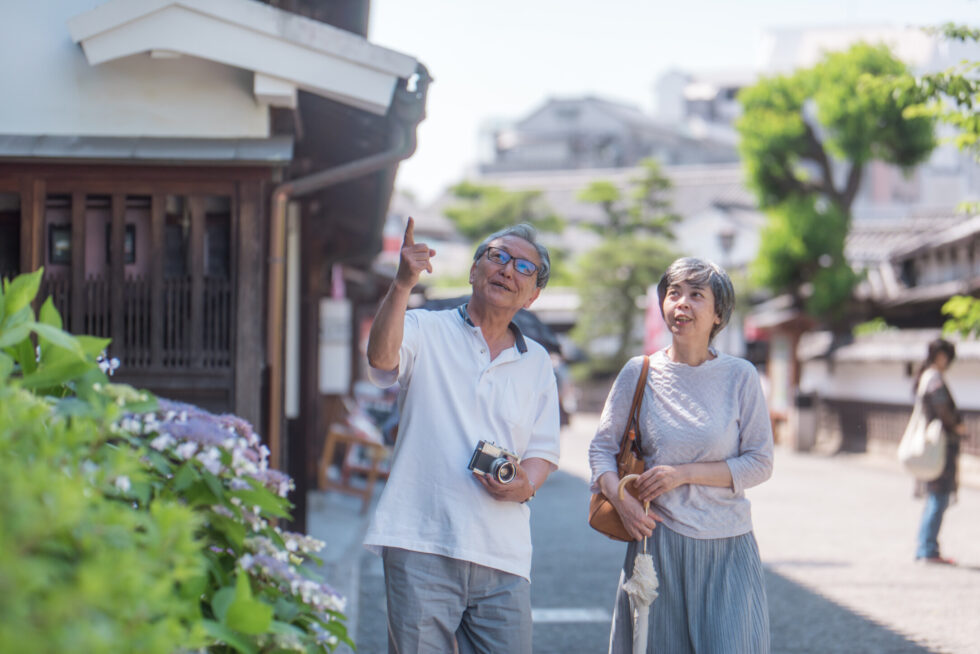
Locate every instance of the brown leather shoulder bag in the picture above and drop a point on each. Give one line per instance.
(603, 516)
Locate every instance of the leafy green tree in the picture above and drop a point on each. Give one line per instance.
(635, 250)
(964, 316)
(806, 139)
(612, 277)
(481, 210)
(640, 208)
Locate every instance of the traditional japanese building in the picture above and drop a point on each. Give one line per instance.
(195, 177)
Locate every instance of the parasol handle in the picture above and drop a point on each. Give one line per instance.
(622, 490)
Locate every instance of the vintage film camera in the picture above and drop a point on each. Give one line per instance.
(488, 459)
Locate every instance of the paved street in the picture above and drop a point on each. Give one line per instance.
(836, 536)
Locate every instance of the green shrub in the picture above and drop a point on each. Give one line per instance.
(130, 524)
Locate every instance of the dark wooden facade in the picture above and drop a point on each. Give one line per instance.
(168, 261)
(868, 426)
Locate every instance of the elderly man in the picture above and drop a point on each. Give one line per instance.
(456, 544)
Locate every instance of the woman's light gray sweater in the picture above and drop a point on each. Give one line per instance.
(691, 414)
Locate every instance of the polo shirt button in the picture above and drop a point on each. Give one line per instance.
(482, 351)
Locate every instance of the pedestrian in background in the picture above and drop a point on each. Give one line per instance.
(938, 402)
(456, 544)
(706, 437)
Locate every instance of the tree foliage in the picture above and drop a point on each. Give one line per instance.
(635, 251)
(612, 277)
(642, 208)
(964, 316)
(481, 210)
(806, 139)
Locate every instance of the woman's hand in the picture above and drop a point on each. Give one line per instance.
(658, 480)
(639, 523)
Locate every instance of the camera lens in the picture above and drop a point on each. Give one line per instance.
(503, 470)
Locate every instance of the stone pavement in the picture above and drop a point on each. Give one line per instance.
(837, 536)
(336, 519)
(837, 539)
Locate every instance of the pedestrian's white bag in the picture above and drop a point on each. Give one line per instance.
(922, 451)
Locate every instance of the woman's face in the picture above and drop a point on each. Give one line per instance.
(689, 311)
(941, 362)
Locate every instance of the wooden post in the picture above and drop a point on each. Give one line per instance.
(157, 253)
(76, 322)
(32, 203)
(117, 274)
(248, 322)
(197, 204)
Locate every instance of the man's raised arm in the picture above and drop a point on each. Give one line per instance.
(389, 323)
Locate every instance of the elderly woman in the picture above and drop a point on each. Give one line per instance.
(706, 437)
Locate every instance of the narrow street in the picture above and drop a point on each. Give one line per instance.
(836, 536)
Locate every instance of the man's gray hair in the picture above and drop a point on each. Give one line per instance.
(529, 234)
(707, 274)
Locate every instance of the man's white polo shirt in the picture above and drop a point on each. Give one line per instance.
(452, 396)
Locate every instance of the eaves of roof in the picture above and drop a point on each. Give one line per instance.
(285, 51)
(277, 150)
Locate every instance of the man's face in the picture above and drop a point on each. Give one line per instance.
(501, 285)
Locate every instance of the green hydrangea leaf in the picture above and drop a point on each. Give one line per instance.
(222, 633)
(19, 292)
(55, 336)
(247, 614)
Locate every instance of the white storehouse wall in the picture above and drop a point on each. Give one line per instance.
(59, 93)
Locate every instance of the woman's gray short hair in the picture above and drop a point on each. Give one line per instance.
(701, 273)
(529, 234)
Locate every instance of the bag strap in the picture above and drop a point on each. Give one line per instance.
(634, 408)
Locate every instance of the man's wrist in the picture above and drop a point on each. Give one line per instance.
(533, 491)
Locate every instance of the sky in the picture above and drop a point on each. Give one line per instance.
(498, 61)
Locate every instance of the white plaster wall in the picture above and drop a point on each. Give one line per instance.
(697, 236)
(49, 88)
(887, 382)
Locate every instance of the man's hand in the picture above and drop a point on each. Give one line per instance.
(414, 258)
(520, 489)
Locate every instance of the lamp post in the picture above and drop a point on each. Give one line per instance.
(726, 241)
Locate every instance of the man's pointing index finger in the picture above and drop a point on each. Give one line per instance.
(409, 233)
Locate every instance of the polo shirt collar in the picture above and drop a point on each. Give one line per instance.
(518, 336)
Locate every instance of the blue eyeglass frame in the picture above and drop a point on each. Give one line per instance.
(503, 257)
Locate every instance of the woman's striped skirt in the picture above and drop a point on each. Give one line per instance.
(712, 597)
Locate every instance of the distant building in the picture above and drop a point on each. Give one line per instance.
(590, 133)
(705, 102)
(862, 389)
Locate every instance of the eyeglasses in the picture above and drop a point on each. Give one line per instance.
(501, 257)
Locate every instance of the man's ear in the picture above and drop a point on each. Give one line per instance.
(534, 296)
(472, 271)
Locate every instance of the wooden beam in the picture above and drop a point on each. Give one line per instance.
(107, 176)
(157, 253)
(77, 312)
(117, 274)
(248, 267)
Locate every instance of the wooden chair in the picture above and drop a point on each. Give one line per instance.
(351, 440)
